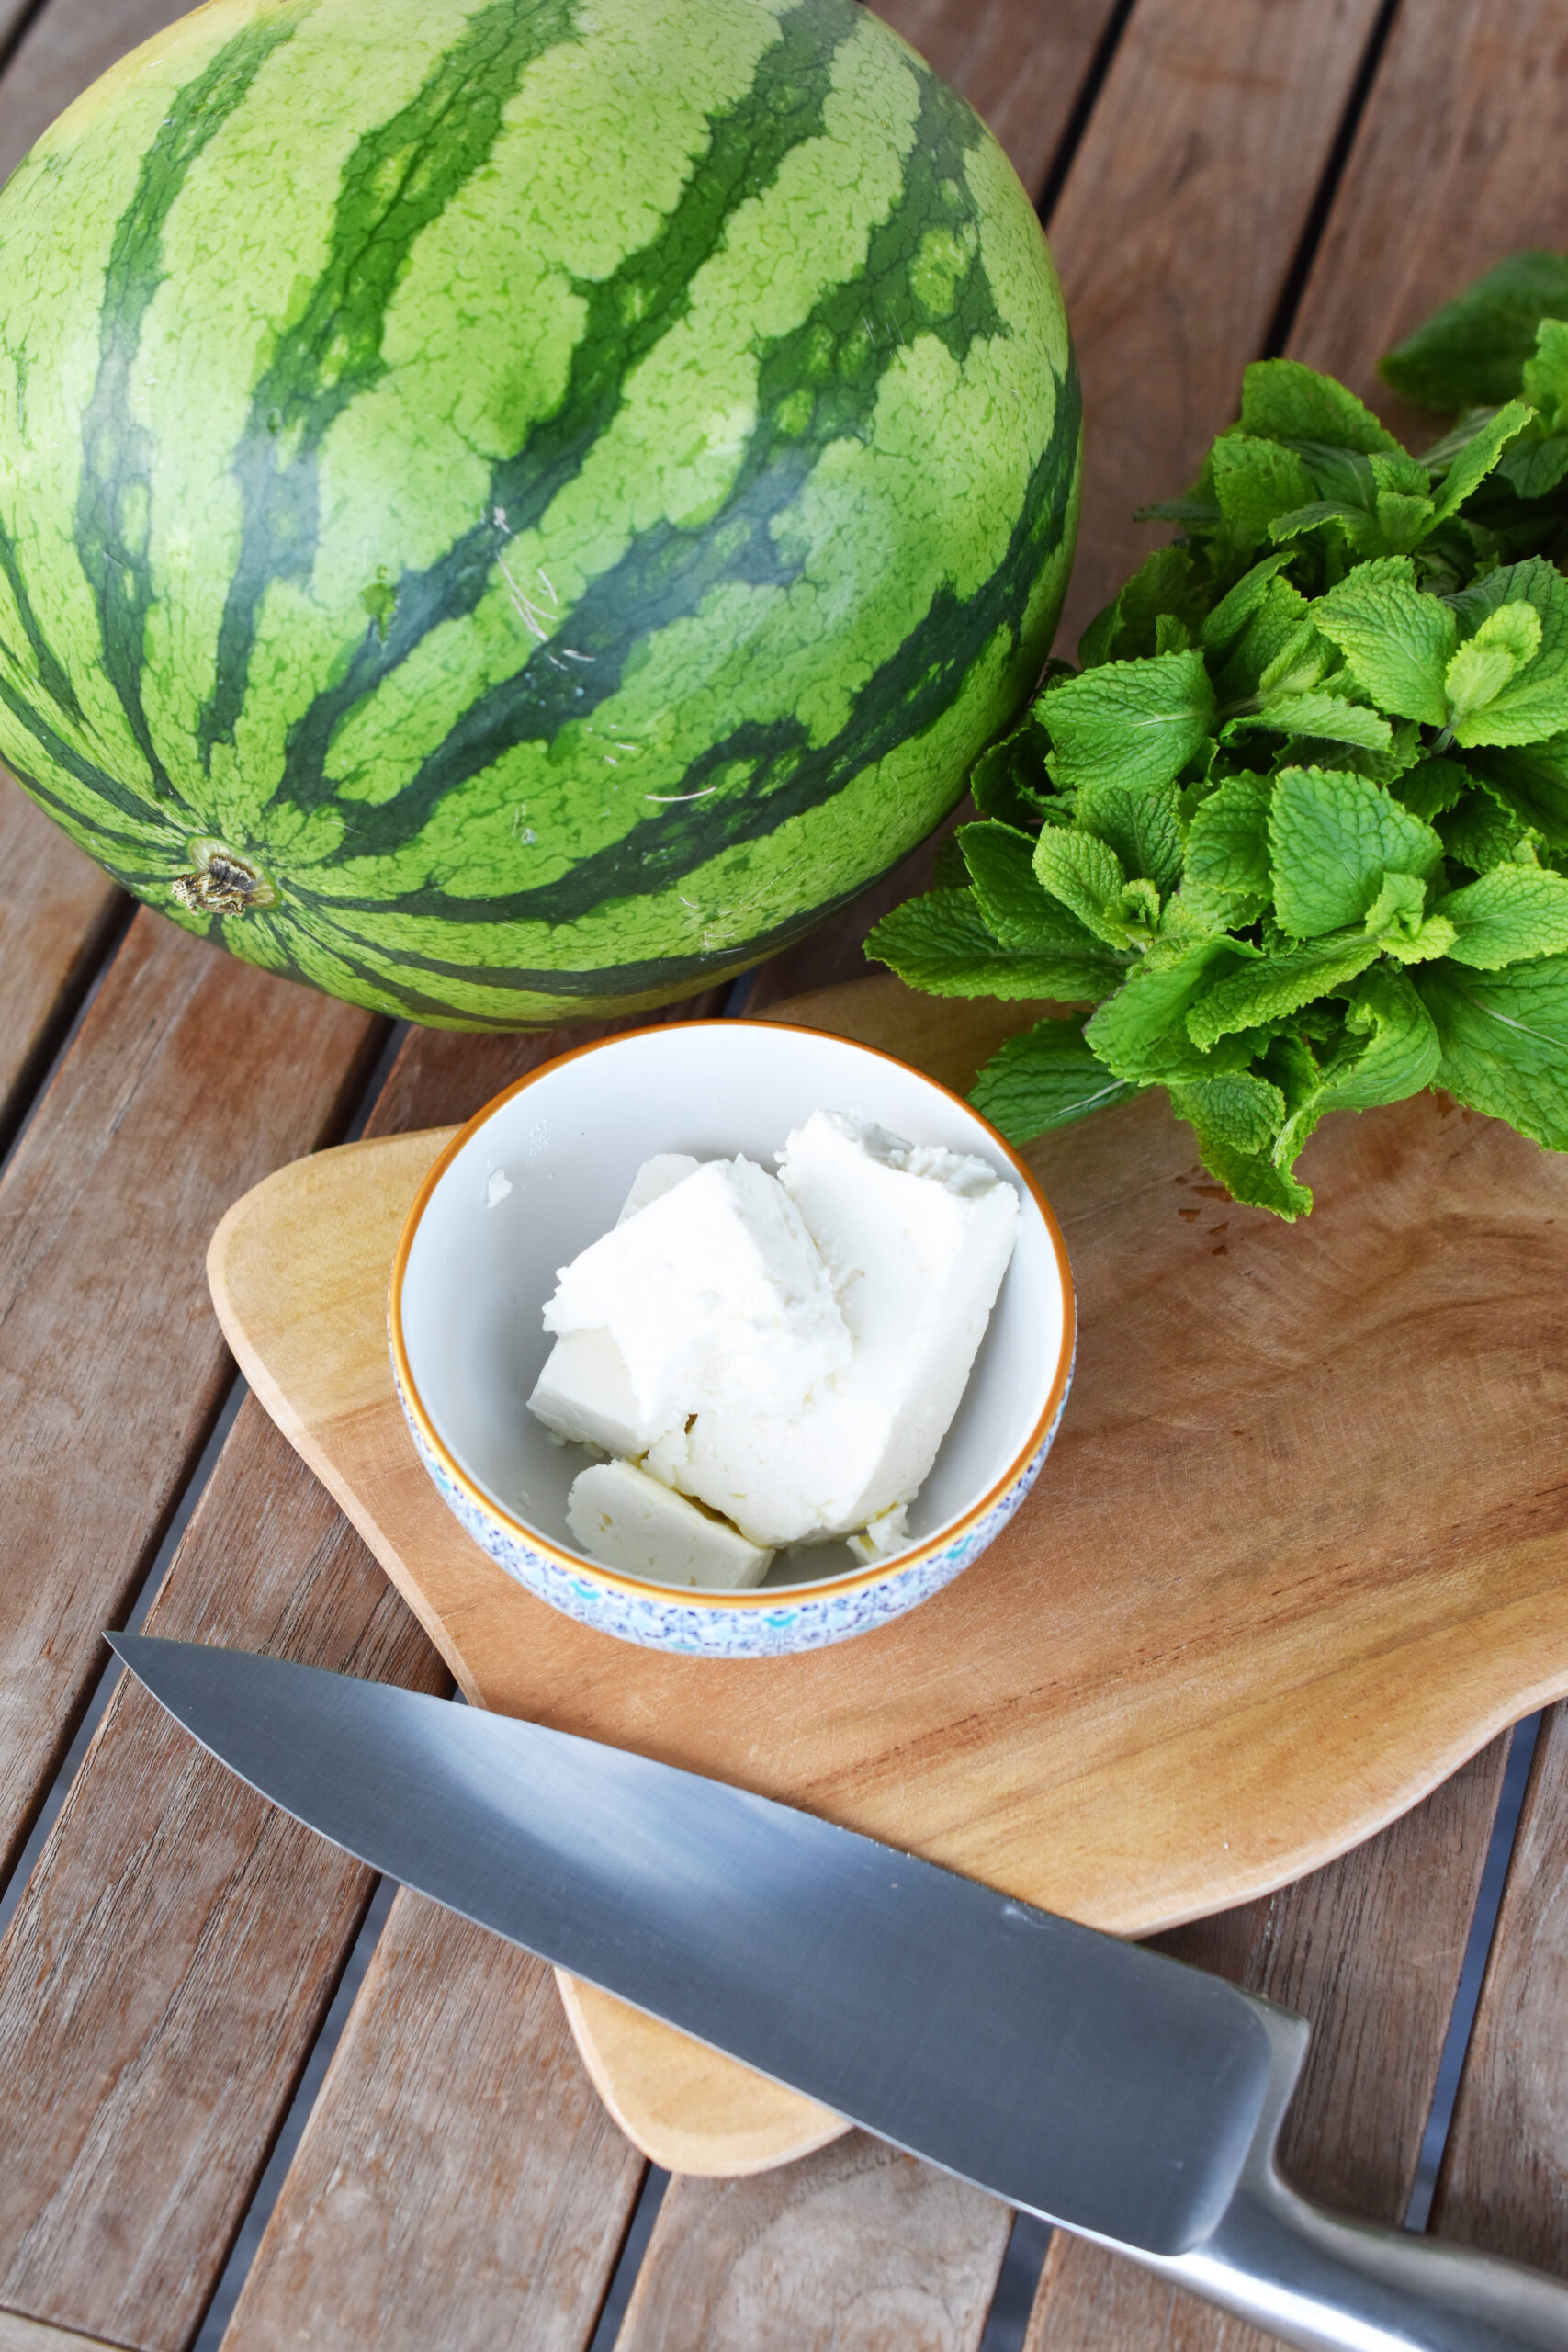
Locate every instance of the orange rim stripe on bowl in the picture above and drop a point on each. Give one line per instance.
(757, 1597)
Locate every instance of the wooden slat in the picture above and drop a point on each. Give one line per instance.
(1504, 2184)
(177, 1945)
(458, 2183)
(1369, 1949)
(134, 1958)
(19, 2335)
(57, 915)
(856, 2249)
(1456, 164)
(1175, 233)
(191, 1077)
(68, 44)
(1019, 65)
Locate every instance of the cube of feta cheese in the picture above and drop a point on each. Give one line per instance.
(626, 1520)
(714, 1291)
(916, 1239)
(585, 1392)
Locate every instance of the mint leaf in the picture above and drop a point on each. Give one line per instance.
(1234, 611)
(1545, 381)
(1248, 1176)
(1009, 781)
(1161, 589)
(1477, 456)
(1332, 837)
(1131, 723)
(1403, 522)
(1000, 865)
(1284, 401)
(1044, 1079)
(1532, 781)
(1397, 640)
(1239, 1112)
(940, 943)
(1532, 703)
(1087, 876)
(1279, 651)
(1471, 352)
(1504, 1042)
(1227, 851)
(1255, 480)
(1399, 908)
(1278, 985)
(1485, 663)
(1391, 1047)
(1327, 717)
(1512, 913)
(1481, 833)
(1536, 463)
(1142, 827)
(1139, 1033)
(1431, 787)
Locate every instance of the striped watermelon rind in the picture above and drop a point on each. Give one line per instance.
(518, 511)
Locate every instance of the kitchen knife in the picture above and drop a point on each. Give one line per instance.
(1092, 2082)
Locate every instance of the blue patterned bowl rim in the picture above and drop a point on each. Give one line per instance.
(760, 1598)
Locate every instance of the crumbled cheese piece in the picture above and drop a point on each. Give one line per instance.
(497, 1188)
(887, 1534)
(626, 1520)
(916, 1239)
(712, 1292)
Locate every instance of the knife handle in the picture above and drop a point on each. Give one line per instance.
(1330, 2284)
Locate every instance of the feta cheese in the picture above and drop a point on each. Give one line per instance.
(714, 1291)
(654, 1178)
(885, 1534)
(627, 1521)
(585, 1392)
(916, 1239)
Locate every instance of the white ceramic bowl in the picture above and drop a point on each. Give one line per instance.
(542, 1170)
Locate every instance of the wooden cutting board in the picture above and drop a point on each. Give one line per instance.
(1300, 1550)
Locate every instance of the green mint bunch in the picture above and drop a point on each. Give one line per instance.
(1297, 830)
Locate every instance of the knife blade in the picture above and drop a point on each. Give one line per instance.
(1123, 2094)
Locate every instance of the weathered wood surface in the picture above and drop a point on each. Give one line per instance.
(1370, 1950)
(458, 2183)
(1504, 2184)
(19, 2335)
(1129, 1734)
(1476, 142)
(1457, 162)
(177, 1945)
(1022, 66)
(128, 1964)
(856, 2249)
(1175, 234)
(191, 1076)
(58, 913)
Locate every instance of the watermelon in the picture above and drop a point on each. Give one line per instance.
(516, 511)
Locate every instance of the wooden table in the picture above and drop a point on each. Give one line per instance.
(1221, 178)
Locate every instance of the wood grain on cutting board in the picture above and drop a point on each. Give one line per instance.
(1298, 1552)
